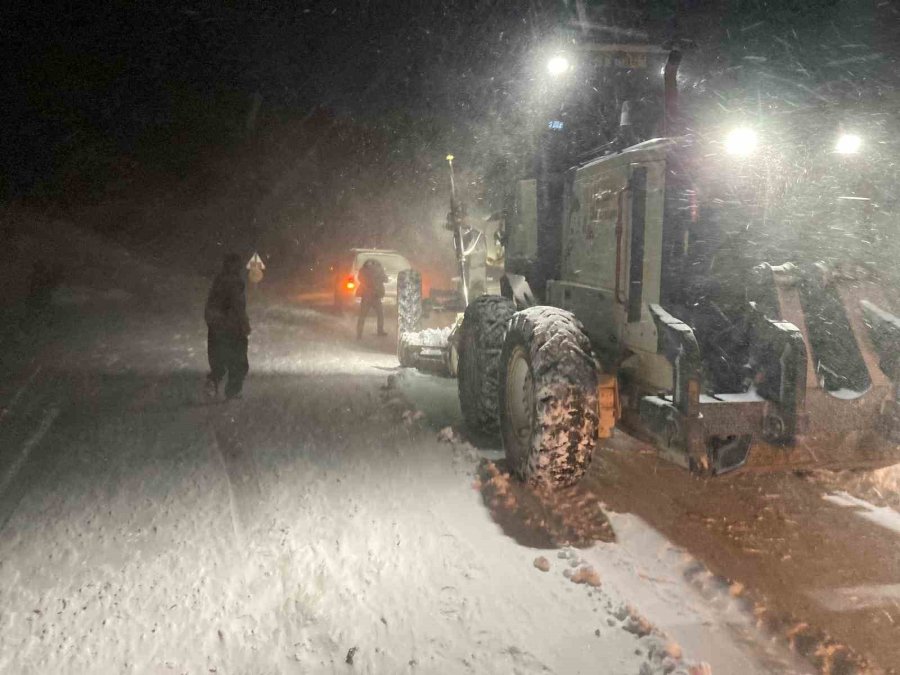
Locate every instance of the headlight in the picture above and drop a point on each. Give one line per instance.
(741, 142)
(848, 144)
(558, 65)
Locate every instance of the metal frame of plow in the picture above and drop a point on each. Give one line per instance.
(712, 433)
(826, 413)
(792, 420)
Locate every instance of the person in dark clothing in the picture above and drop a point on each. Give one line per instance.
(229, 328)
(371, 290)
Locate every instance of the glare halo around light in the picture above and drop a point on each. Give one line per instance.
(558, 65)
(741, 142)
(848, 144)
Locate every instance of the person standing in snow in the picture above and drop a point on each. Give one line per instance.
(228, 329)
(371, 290)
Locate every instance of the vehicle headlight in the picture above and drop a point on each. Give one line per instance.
(558, 65)
(741, 142)
(848, 144)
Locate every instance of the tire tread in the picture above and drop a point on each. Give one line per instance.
(565, 381)
(481, 339)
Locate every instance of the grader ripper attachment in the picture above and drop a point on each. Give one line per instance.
(793, 414)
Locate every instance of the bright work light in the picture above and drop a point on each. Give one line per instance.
(558, 65)
(741, 142)
(848, 144)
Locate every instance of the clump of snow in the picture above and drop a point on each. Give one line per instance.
(448, 435)
(673, 650)
(412, 417)
(700, 669)
(542, 563)
(397, 404)
(462, 449)
(635, 623)
(663, 655)
(585, 575)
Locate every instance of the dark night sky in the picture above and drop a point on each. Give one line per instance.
(131, 77)
(131, 117)
(126, 75)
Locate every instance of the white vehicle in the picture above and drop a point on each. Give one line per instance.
(346, 271)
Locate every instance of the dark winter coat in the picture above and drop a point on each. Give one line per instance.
(226, 305)
(372, 279)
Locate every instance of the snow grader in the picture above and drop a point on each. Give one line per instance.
(632, 298)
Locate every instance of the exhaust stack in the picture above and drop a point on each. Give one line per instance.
(671, 126)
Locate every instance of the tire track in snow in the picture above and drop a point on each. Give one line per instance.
(5, 410)
(236, 527)
(241, 474)
(49, 418)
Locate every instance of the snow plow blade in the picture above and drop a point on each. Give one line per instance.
(800, 413)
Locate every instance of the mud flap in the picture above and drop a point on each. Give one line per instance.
(516, 288)
(676, 420)
(728, 454)
(709, 455)
(778, 353)
(884, 330)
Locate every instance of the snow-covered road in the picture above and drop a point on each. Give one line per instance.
(317, 522)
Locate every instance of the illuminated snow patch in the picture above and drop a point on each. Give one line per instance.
(880, 515)
(857, 597)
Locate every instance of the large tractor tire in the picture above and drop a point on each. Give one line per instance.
(480, 342)
(409, 302)
(406, 352)
(409, 314)
(548, 397)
